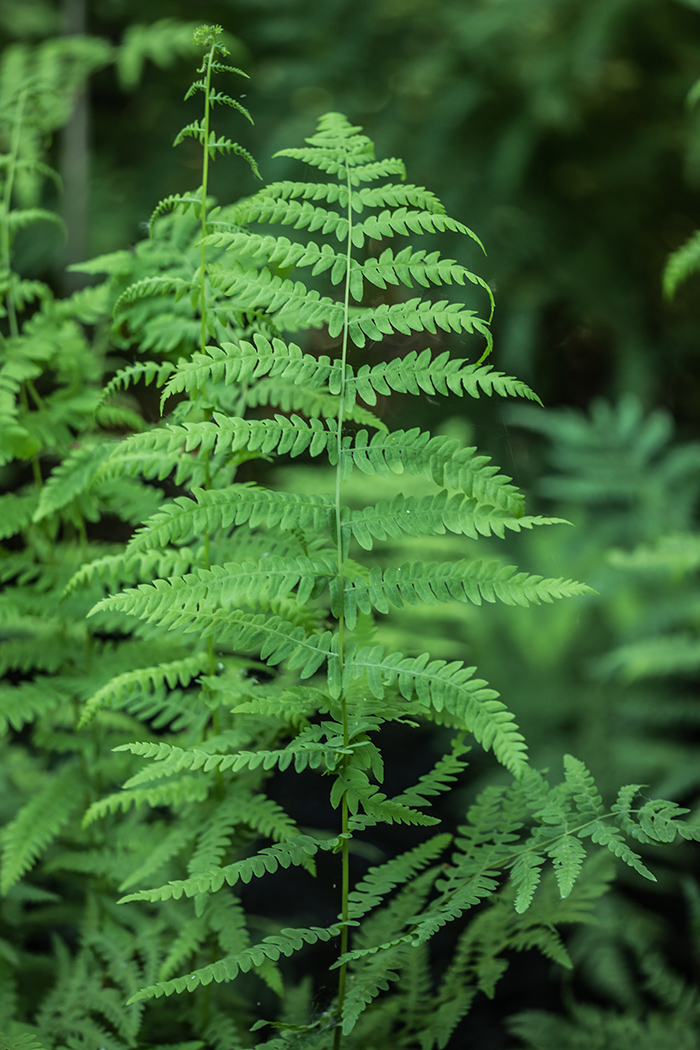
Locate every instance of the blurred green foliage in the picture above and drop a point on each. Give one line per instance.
(561, 126)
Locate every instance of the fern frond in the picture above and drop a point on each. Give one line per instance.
(244, 362)
(417, 373)
(174, 793)
(142, 680)
(435, 515)
(381, 880)
(175, 201)
(16, 512)
(23, 1040)
(38, 823)
(610, 837)
(148, 371)
(294, 852)
(277, 639)
(589, 804)
(286, 942)
(72, 477)
(525, 875)
(111, 568)
(22, 703)
(568, 856)
(449, 687)
(149, 286)
(159, 854)
(439, 459)
(463, 581)
(306, 750)
(681, 264)
(158, 452)
(240, 504)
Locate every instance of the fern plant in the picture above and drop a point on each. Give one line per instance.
(267, 606)
(50, 433)
(72, 979)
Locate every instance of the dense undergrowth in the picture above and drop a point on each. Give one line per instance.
(235, 585)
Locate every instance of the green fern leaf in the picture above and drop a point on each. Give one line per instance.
(148, 371)
(244, 362)
(240, 504)
(379, 881)
(38, 823)
(142, 680)
(587, 797)
(439, 459)
(72, 477)
(525, 875)
(150, 286)
(434, 515)
(449, 687)
(568, 856)
(419, 374)
(295, 852)
(286, 943)
(463, 581)
(174, 793)
(681, 264)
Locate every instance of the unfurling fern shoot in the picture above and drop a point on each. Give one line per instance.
(294, 584)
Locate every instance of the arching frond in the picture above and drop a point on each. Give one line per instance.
(286, 943)
(448, 687)
(146, 371)
(177, 672)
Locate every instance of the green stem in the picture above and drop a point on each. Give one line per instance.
(203, 312)
(205, 181)
(345, 854)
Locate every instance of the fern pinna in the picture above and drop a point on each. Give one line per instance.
(273, 596)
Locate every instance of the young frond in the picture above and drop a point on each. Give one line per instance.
(175, 202)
